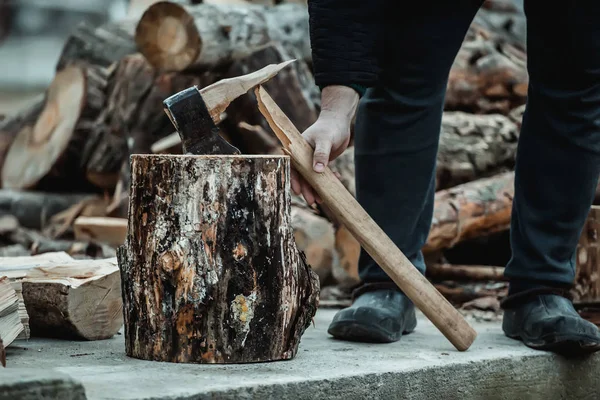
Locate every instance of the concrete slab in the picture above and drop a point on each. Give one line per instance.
(423, 365)
(38, 384)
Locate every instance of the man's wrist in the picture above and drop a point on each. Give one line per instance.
(339, 99)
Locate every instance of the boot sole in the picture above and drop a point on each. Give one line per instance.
(354, 331)
(566, 345)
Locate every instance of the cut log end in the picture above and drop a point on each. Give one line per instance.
(41, 142)
(227, 283)
(168, 37)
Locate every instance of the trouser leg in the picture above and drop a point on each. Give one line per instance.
(558, 158)
(398, 125)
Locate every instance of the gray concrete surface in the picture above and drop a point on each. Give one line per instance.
(423, 365)
(38, 384)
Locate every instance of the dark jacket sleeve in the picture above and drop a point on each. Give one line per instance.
(346, 40)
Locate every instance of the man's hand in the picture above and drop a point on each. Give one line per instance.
(329, 135)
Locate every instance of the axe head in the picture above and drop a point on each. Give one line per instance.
(199, 134)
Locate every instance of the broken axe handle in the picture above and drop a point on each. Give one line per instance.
(374, 240)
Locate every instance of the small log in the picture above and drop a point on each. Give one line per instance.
(101, 45)
(73, 299)
(9, 128)
(57, 145)
(210, 269)
(465, 272)
(470, 210)
(177, 37)
(314, 235)
(473, 147)
(35, 209)
(586, 287)
(101, 229)
(10, 321)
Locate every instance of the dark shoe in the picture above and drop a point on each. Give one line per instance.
(546, 320)
(376, 316)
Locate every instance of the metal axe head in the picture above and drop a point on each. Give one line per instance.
(199, 134)
(195, 113)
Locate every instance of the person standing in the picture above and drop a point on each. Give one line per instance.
(388, 63)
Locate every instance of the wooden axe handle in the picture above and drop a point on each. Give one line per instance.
(333, 193)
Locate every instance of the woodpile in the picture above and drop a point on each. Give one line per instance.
(66, 163)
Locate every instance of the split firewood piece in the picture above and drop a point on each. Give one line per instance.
(100, 45)
(314, 235)
(470, 210)
(210, 269)
(176, 37)
(35, 209)
(101, 229)
(293, 88)
(76, 299)
(61, 224)
(587, 288)
(10, 321)
(474, 146)
(465, 272)
(54, 148)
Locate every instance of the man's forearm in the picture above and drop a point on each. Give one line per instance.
(339, 99)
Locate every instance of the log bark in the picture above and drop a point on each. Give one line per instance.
(465, 272)
(486, 77)
(470, 210)
(10, 321)
(210, 270)
(473, 147)
(71, 299)
(587, 276)
(176, 37)
(35, 209)
(101, 45)
(59, 147)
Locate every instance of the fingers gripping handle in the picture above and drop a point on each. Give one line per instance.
(425, 296)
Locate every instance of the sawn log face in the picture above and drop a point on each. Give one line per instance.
(210, 270)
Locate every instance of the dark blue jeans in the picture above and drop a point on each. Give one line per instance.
(558, 158)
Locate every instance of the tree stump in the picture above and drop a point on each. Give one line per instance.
(209, 267)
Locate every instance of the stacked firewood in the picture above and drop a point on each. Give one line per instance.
(65, 159)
